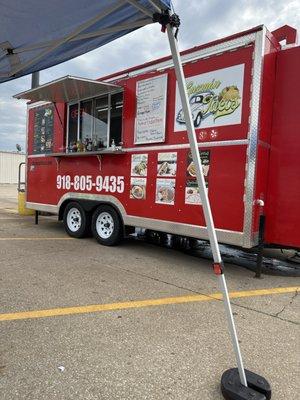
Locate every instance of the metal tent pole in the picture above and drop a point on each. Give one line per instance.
(35, 79)
(35, 82)
(204, 198)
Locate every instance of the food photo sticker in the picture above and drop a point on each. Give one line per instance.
(192, 195)
(165, 191)
(138, 188)
(166, 164)
(205, 161)
(139, 164)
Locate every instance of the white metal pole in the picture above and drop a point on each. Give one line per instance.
(204, 197)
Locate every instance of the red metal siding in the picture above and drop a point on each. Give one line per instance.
(265, 125)
(226, 184)
(283, 198)
(230, 132)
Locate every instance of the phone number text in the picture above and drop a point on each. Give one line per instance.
(110, 184)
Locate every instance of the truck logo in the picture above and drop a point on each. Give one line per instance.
(215, 98)
(209, 103)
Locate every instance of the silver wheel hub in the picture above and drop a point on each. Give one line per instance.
(74, 219)
(105, 225)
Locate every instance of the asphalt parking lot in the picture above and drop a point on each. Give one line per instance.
(82, 321)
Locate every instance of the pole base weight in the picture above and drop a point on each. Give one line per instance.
(232, 389)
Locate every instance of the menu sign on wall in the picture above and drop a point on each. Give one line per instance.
(43, 130)
(151, 110)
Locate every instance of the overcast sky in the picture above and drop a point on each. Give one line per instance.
(202, 21)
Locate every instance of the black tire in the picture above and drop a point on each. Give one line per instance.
(72, 212)
(197, 120)
(107, 227)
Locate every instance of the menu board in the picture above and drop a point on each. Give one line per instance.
(43, 129)
(151, 110)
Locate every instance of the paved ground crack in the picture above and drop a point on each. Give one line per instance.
(286, 305)
(205, 294)
(264, 313)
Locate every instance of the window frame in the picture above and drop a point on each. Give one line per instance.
(71, 103)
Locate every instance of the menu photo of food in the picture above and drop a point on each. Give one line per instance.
(139, 164)
(165, 191)
(192, 195)
(138, 188)
(166, 164)
(205, 161)
(48, 112)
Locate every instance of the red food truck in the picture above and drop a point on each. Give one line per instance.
(112, 154)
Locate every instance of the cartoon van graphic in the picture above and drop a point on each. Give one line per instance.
(199, 108)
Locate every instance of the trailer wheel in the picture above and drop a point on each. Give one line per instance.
(197, 120)
(76, 220)
(106, 226)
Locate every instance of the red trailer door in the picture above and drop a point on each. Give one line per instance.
(283, 196)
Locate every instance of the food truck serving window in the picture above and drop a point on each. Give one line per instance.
(94, 113)
(95, 124)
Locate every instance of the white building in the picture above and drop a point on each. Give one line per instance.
(9, 165)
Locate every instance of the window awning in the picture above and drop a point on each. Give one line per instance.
(68, 88)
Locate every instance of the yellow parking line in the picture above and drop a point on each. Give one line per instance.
(141, 303)
(40, 238)
(10, 210)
